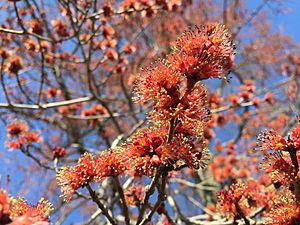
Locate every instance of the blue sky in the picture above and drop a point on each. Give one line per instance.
(288, 22)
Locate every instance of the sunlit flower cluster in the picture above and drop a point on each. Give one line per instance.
(90, 168)
(16, 211)
(175, 137)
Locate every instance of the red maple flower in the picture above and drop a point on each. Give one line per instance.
(59, 152)
(90, 168)
(16, 128)
(203, 52)
(134, 195)
(22, 213)
(270, 140)
(191, 110)
(295, 137)
(158, 78)
(279, 168)
(15, 64)
(4, 207)
(285, 211)
(189, 150)
(146, 151)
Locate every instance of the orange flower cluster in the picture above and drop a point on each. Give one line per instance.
(19, 135)
(19, 212)
(134, 195)
(180, 110)
(90, 168)
(277, 151)
(281, 201)
(245, 198)
(286, 210)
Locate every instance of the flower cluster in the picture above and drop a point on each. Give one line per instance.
(286, 210)
(18, 211)
(90, 168)
(204, 52)
(280, 155)
(245, 199)
(175, 137)
(281, 201)
(19, 135)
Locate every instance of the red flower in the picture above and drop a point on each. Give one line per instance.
(285, 211)
(32, 136)
(159, 78)
(270, 140)
(134, 195)
(190, 151)
(22, 214)
(203, 52)
(14, 64)
(295, 136)
(279, 169)
(60, 27)
(16, 128)
(146, 151)
(4, 207)
(190, 111)
(59, 152)
(90, 168)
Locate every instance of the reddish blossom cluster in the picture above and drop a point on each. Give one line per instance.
(90, 168)
(19, 135)
(281, 163)
(59, 152)
(286, 210)
(245, 198)
(175, 139)
(19, 212)
(204, 52)
(280, 155)
(134, 195)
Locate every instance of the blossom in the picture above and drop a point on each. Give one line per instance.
(286, 211)
(60, 27)
(36, 26)
(190, 151)
(21, 213)
(134, 195)
(295, 137)
(147, 150)
(203, 52)
(158, 78)
(191, 109)
(14, 64)
(4, 207)
(279, 168)
(58, 152)
(270, 140)
(16, 128)
(90, 168)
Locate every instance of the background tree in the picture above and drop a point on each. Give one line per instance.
(71, 75)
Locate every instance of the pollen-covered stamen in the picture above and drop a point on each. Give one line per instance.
(21, 211)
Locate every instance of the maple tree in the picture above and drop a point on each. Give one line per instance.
(148, 112)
